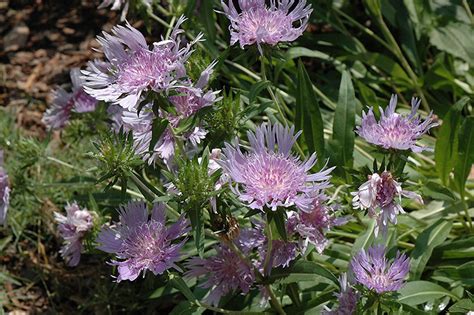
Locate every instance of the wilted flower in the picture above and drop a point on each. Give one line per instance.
(373, 270)
(268, 174)
(225, 273)
(347, 298)
(382, 192)
(313, 224)
(121, 4)
(130, 72)
(395, 131)
(257, 23)
(4, 192)
(64, 103)
(143, 244)
(73, 228)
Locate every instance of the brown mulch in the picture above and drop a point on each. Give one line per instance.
(40, 41)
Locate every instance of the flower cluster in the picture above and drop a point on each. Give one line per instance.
(347, 298)
(4, 192)
(73, 228)
(257, 23)
(141, 243)
(395, 131)
(64, 103)
(382, 192)
(373, 270)
(268, 174)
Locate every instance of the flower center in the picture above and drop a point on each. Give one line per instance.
(145, 243)
(263, 25)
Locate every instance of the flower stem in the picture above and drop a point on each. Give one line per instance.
(267, 263)
(274, 301)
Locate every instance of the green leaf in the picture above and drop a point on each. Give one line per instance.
(178, 283)
(208, 18)
(447, 142)
(431, 237)
(197, 225)
(365, 238)
(437, 191)
(456, 39)
(308, 115)
(158, 127)
(304, 270)
(277, 221)
(419, 292)
(462, 306)
(387, 65)
(344, 122)
(256, 89)
(187, 308)
(465, 159)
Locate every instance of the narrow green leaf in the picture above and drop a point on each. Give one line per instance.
(462, 306)
(256, 89)
(277, 221)
(304, 270)
(344, 122)
(198, 228)
(178, 283)
(447, 142)
(208, 18)
(419, 292)
(437, 191)
(364, 239)
(465, 159)
(431, 237)
(308, 115)
(158, 127)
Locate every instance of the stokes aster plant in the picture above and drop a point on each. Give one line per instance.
(259, 221)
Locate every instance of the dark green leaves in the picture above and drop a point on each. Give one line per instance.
(465, 159)
(418, 292)
(308, 115)
(344, 123)
(431, 237)
(447, 142)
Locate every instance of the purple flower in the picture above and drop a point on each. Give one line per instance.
(257, 23)
(395, 131)
(312, 225)
(268, 174)
(373, 270)
(4, 192)
(136, 69)
(225, 273)
(347, 297)
(382, 192)
(141, 243)
(73, 228)
(64, 103)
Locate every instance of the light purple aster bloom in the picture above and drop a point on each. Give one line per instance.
(268, 174)
(136, 69)
(396, 131)
(225, 273)
(312, 225)
(374, 271)
(73, 228)
(64, 103)
(141, 243)
(4, 192)
(383, 193)
(347, 298)
(257, 23)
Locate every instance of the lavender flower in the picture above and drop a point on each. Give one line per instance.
(73, 228)
(347, 297)
(282, 21)
(121, 4)
(395, 131)
(268, 174)
(64, 103)
(225, 273)
(382, 192)
(143, 244)
(373, 270)
(4, 192)
(312, 225)
(130, 72)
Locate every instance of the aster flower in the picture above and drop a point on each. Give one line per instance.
(347, 298)
(64, 103)
(142, 244)
(225, 273)
(312, 225)
(383, 193)
(73, 228)
(133, 68)
(396, 131)
(374, 271)
(257, 23)
(121, 4)
(4, 192)
(268, 174)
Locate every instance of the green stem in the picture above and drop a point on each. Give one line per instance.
(267, 263)
(468, 10)
(274, 301)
